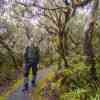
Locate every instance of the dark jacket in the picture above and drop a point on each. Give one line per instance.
(31, 55)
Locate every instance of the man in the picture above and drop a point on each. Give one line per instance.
(31, 59)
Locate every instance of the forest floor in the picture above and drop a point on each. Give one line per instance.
(15, 91)
(48, 79)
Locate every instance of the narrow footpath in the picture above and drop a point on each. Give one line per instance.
(17, 94)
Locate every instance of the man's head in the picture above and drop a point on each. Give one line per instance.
(30, 42)
(35, 44)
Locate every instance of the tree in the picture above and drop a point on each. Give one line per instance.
(88, 32)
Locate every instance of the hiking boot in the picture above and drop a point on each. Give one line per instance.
(25, 88)
(33, 83)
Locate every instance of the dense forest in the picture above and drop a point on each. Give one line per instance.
(67, 33)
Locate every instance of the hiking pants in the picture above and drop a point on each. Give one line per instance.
(27, 68)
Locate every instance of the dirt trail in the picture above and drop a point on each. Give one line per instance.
(19, 95)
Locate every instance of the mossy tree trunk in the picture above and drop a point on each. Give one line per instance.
(88, 36)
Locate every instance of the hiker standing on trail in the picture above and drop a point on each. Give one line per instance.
(31, 60)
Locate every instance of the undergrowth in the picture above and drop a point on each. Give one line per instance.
(73, 83)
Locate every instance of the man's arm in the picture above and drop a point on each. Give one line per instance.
(38, 54)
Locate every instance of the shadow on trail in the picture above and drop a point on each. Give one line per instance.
(19, 95)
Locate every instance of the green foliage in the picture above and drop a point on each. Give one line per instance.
(80, 94)
(7, 73)
(73, 83)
